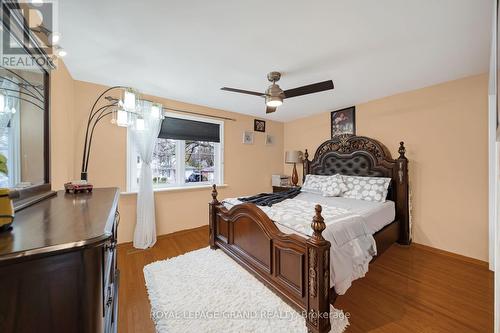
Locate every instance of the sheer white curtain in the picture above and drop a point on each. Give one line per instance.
(144, 134)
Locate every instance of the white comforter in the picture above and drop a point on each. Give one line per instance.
(350, 225)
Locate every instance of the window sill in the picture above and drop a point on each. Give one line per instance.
(178, 188)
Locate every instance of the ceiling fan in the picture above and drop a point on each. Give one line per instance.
(274, 95)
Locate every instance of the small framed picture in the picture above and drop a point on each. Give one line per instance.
(259, 125)
(343, 121)
(269, 140)
(248, 137)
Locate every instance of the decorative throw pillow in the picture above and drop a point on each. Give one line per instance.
(333, 186)
(313, 184)
(366, 188)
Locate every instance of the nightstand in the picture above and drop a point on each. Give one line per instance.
(277, 189)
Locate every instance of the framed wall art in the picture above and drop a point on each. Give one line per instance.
(269, 140)
(259, 125)
(343, 121)
(248, 137)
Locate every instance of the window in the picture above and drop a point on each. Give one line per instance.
(181, 157)
(10, 131)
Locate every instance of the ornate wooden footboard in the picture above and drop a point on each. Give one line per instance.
(296, 268)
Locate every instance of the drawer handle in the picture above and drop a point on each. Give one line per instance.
(111, 246)
(110, 297)
(109, 301)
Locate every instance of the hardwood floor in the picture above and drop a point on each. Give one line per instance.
(417, 290)
(411, 289)
(134, 308)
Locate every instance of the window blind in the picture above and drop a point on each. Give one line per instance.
(184, 129)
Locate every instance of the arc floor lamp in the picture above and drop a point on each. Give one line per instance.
(125, 111)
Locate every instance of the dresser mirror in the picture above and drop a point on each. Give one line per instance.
(24, 116)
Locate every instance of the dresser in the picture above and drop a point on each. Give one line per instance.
(58, 270)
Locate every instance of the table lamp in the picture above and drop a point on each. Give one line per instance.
(294, 156)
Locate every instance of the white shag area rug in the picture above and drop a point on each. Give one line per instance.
(207, 291)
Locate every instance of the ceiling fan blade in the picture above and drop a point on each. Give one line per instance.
(270, 109)
(309, 89)
(241, 91)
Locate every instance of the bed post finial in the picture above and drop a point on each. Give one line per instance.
(402, 150)
(305, 165)
(318, 224)
(214, 194)
(212, 218)
(403, 197)
(318, 277)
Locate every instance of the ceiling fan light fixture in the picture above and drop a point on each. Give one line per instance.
(274, 95)
(274, 101)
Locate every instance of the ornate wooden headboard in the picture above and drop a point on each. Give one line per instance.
(363, 156)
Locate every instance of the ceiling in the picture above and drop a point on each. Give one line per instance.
(188, 49)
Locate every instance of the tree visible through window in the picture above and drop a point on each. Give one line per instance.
(164, 162)
(199, 161)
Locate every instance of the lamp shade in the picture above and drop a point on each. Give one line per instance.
(156, 110)
(293, 156)
(129, 100)
(122, 118)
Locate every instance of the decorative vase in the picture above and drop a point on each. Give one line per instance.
(6, 209)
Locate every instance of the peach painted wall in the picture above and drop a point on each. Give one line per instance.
(445, 131)
(62, 105)
(247, 168)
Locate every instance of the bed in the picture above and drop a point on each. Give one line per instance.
(294, 261)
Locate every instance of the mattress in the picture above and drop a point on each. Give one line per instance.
(376, 215)
(350, 225)
(345, 218)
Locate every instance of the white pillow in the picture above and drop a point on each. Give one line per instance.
(314, 184)
(333, 186)
(366, 188)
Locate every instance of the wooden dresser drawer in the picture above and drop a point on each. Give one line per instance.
(64, 281)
